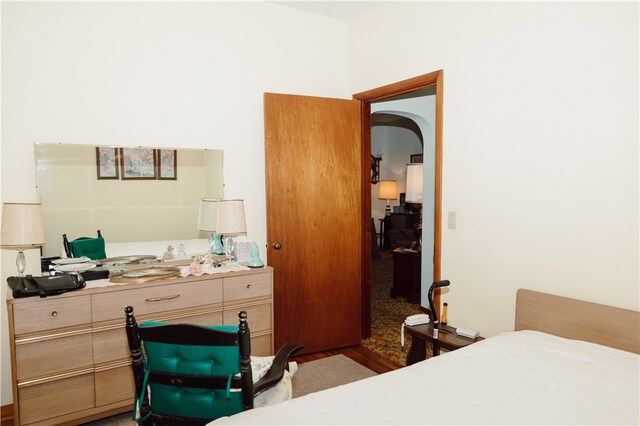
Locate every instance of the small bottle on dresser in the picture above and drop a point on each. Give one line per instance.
(443, 321)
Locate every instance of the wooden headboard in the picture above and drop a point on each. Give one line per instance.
(576, 319)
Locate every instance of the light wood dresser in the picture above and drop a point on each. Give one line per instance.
(69, 355)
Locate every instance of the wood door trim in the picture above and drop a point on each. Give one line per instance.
(435, 78)
(365, 294)
(404, 86)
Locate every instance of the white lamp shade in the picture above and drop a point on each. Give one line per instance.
(388, 190)
(231, 220)
(22, 225)
(413, 190)
(208, 214)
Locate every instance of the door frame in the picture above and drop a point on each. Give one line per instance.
(435, 78)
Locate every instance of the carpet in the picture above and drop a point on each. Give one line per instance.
(325, 373)
(312, 376)
(387, 313)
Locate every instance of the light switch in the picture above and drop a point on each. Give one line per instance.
(451, 219)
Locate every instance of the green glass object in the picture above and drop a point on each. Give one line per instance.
(215, 243)
(255, 261)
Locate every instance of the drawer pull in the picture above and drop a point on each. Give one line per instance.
(158, 299)
(54, 313)
(248, 285)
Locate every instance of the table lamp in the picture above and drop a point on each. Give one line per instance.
(388, 191)
(207, 220)
(230, 223)
(22, 228)
(413, 194)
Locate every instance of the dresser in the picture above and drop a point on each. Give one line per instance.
(69, 354)
(399, 230)
(407, 270)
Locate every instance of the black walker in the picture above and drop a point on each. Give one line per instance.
(436, 320)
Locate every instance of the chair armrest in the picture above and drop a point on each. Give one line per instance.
(275, 373)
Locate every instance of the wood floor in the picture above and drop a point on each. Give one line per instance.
(360, 354)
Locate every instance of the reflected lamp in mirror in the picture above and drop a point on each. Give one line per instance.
(22, 228)
(414, 186)
(388, 191)
(207, 221)
(230, 223)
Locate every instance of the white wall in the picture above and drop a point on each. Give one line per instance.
(540, 144)
(165, 74)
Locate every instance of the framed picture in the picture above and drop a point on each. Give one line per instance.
(107, 162)
(416, 158)
(167, 164)
(138, 163)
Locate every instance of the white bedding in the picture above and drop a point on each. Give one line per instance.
(522, 377)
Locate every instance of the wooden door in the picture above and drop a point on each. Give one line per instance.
(314, 219)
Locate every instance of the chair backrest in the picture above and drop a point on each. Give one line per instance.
(93, 248)
(195, 373)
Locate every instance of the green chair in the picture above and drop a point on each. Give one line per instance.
(93, 248)
(190, 375)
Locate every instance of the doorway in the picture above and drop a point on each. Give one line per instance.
(431, 80)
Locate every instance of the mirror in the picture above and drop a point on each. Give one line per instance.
(75, 202)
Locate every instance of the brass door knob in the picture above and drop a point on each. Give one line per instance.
(276, 245)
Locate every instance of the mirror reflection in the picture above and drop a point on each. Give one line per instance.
(76, 202)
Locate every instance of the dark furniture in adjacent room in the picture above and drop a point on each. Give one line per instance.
(399, 230)
(406, 274)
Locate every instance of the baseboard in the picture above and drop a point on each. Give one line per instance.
(6, 413)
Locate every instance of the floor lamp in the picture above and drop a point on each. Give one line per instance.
(413, 194)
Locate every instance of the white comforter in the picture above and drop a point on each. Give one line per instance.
(520, 377)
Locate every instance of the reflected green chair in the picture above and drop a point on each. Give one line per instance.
(190, 374)
(93, 248)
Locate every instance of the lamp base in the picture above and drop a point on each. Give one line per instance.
(21, 263)
(230, 250)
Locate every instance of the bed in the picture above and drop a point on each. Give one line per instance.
(567, 362)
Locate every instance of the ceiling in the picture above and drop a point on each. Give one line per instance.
(346, 11)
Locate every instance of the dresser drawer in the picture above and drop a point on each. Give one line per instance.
(246, 287)
(50, 313)
(48, 357)
(258, 316)
(114, 385)
(261, 346)
(111, 345)
(56, 398)
(151, 300)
